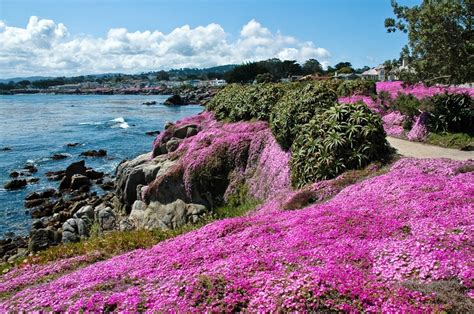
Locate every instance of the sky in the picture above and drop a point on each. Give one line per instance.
(77, 37)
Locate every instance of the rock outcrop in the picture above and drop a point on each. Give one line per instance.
(196, 165)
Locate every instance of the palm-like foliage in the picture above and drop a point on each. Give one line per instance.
(341, 138)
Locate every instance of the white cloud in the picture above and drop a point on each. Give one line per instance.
(46, 48)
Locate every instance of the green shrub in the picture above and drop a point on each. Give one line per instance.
(451, 140)
(356, 87)
(408, 105)
(341, 138)
(236, 102)
(296, 108)
(451, 113)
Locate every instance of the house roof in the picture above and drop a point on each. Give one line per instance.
(372, 71)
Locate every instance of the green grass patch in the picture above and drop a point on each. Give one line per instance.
(451, 140)
(118, 242)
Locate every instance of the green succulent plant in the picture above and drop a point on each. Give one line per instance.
(341, 138)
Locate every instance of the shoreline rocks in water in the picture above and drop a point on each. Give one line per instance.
(59, 156)
(94, 153)
(15, 184)
(175, 100)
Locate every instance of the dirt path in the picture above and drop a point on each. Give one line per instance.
(419, 150)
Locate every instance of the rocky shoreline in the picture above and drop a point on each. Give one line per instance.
(175, 184)
(197, 95)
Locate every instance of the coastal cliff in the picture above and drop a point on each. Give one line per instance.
(376, 245)
(199, 164)
(385, 236)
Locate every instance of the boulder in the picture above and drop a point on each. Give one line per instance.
(58, 156)
(106, 218)
(135, 173)
(78, 181)
(175, 100)
(85, 212)
(149, 103)
(55, 175)
(182, 132)
(76, 168)
(41, 239)
(41, 194)
(34, 202)
(152, 133)
(165, 216)
(15, 184)
(33, 180)
(126, 225)
(94, 175)
(6, 149)
(72, 144)
(108, 185)
(172, 144)
(74, 229)
(31, 168)
(14, 174)
(94, 153)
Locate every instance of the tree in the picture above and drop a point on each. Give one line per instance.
(362, 70)
(341, 65)
(440, 39)
(312, 66)
(345, 70)
(23, 83)
(245, 73)
(162, 76)
(265, 78)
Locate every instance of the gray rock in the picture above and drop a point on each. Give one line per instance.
(126, 225)
(165, 216)
(15, 184)
(106, 218)
(76, 228)
(79, 180)
(133, 174)
(182, 132)
(85, 212)
(172, 144)
(41, 239)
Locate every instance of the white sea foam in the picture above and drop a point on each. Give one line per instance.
(120, 123)
(118, 120)
(123, 125)
(90, 123)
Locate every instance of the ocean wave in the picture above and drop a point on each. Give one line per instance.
(118, 120)
(120, 123)
(91, 123)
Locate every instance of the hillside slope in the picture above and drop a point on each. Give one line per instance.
(368, 249)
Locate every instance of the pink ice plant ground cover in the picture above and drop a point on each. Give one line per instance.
(420, 91)
(248, 146)
(351, 253)
(393, 119)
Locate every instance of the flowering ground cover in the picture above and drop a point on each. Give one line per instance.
(394, 120)
(355, 252)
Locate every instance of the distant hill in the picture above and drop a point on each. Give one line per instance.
(30, 78)
(173, 72)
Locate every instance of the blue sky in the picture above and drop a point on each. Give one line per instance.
(330, 30)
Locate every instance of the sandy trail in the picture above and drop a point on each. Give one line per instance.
(420, 150)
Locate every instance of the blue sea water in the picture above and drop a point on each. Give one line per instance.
(37, 126)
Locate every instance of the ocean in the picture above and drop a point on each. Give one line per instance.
(36, 127)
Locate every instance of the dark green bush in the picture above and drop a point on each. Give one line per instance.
(236, 102)
(356, 87)
(451, 113)
(296, 108)
(340, 138)
(407, 104)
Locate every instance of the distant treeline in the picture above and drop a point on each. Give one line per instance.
(270, 70)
